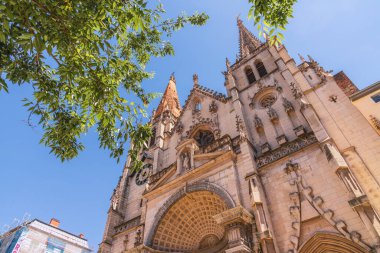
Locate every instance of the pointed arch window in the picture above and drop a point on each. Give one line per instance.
(204, 138)
(197, 106)
(261, 68)
(250, 75)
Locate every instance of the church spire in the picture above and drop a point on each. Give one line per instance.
(169, 100)
(247, 41)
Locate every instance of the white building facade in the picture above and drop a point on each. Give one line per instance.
(39, 237)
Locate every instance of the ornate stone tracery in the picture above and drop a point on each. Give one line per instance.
(213, 108)
(317, 202)
(285, 150)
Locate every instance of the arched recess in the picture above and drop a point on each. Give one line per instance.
(194, 220)
(204, 125)
(330, 243)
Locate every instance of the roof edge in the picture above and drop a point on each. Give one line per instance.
(367, 90)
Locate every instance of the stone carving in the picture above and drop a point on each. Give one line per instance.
(272, 114)
(233, 215)
(199, 121)
(213, 108)
(185, 158)
(286, 150)
(333, 98)
(116, 196)
(224, 143)
(375, 122)
(288, 106)
(319, 70)
(138, 238)
(204, 138)
(268, 100)
(240, 127)
(179, 128)
(295, 205)
(166, 116)
(228, 66)
(252, 102)
(278, 87)
(293, 170)
(281, 139)
(128, 224)
(297, 93)
(299, 131)
(125, 242)
(195, 79)
(258, 123)
(265, 147)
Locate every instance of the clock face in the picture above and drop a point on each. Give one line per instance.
(143, 174)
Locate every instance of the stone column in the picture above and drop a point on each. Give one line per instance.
(237, 222)
(264, 234)
(359, 201)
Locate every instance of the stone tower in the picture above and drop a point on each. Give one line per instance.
(282, 163)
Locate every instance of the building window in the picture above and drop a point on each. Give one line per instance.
(198, 107)
(376, 98)
(261, 69)
(54, 245)
(250, 76)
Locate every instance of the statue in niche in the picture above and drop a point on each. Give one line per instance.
(186, 161)
(115, 199)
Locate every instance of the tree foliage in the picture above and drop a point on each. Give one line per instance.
(85, 61)
(271, 16)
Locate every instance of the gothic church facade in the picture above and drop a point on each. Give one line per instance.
(282, 163)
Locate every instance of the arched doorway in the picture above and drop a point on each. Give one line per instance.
(185, 223)
(330, 243)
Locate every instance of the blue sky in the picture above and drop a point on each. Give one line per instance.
(339, 34)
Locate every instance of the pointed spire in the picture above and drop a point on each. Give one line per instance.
(301, 58)
(247, 41)
(310, 58)
(169, 100)
(228, 65)
(172, 77)
(195, 80)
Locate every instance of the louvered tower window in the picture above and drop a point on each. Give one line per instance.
(250, 76)
(261, 69)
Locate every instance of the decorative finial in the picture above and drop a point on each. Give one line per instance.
(172, 77)
(301, 58)
(310, 58)
(195, 79)
(228, 65)
(238, 20)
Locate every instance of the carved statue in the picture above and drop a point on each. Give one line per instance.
(115, 199)
(186, 161)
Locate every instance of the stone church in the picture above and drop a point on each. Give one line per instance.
(283, 162)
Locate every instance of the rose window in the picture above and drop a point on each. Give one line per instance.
(268, 100)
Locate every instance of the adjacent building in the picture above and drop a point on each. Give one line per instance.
(367, 101)
(39, 237)
(283, 162)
